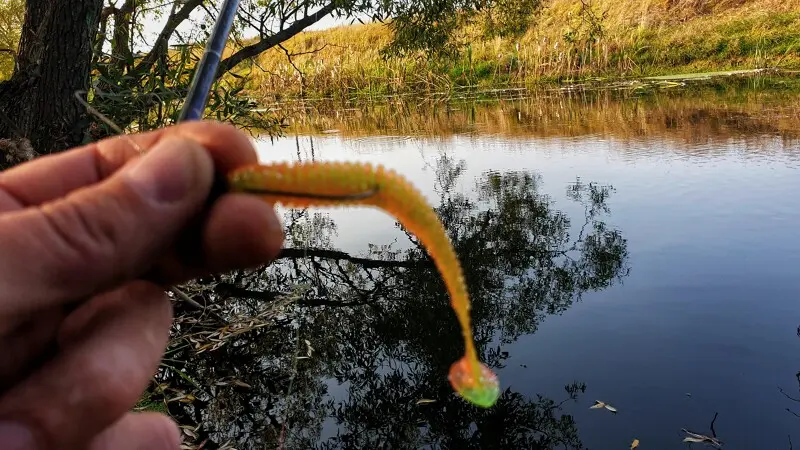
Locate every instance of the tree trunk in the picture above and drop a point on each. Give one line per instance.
(121, 55)
(55, 53)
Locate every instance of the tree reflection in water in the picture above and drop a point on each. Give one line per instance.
(380, 332)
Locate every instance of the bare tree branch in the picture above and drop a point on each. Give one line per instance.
(367, 263)
(265, 44)
(231, 290)
(297, 69)
(161, 45)
(794, 399)
(713, 431)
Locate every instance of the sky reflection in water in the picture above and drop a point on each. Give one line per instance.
(707, 200)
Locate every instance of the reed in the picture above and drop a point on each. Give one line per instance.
(569, 40)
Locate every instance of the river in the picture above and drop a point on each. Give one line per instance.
(637, 247)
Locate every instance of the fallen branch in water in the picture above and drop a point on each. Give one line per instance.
(231, 290)
(367, 263)
(701, 438)
(713, 431)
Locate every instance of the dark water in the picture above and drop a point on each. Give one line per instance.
(641, 250)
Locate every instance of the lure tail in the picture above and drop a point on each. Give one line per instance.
(350, 184)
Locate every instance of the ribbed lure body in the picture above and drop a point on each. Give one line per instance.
(321, 184)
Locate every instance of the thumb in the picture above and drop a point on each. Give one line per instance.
(104, 234)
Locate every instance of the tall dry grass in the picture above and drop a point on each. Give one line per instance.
(569, 39)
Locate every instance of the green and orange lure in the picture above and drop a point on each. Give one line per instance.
(323, 184)
(346, 184)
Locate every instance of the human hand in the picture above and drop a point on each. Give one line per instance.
(89, 239)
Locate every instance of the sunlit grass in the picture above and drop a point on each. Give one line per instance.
(619, 38)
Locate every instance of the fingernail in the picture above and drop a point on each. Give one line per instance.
(165, 173)
(14, 436)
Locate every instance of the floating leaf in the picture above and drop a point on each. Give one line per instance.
(242, 384)
(634, 444)
(189, 431)
(598, 404)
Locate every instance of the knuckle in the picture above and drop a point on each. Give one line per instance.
(85, 232)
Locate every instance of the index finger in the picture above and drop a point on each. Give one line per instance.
(56, 175)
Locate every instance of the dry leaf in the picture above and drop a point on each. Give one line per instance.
(634, 444)
(598, 404)
(189, 432)
(701, 438)
(424, 401)
(242, 384)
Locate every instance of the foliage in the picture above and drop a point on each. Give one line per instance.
(141, 90)
(138, 82)
(434, 27)
(158, 102)
(510, 18)
(569, 40)
(12, 14)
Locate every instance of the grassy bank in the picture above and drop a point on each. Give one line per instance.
(567, 41)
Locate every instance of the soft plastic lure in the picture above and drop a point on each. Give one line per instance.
(347, 184)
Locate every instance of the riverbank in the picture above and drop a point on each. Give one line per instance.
(570, 40)
(683, 112)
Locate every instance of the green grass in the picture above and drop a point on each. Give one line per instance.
(639, 38)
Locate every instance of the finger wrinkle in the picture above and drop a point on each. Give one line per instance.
(13, 198)
(55, 175)
(107, 162)
(229, 146)
(84, 239)
(8, 200)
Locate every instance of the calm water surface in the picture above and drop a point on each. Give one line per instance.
(679, 300)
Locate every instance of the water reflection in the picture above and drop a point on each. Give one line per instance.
(792, 394)
(705, 185)
(701, 118)
(375, 335)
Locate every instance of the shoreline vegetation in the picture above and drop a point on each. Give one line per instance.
(567, 41)
(687, 111)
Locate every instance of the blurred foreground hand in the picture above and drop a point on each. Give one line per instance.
(89, 240)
